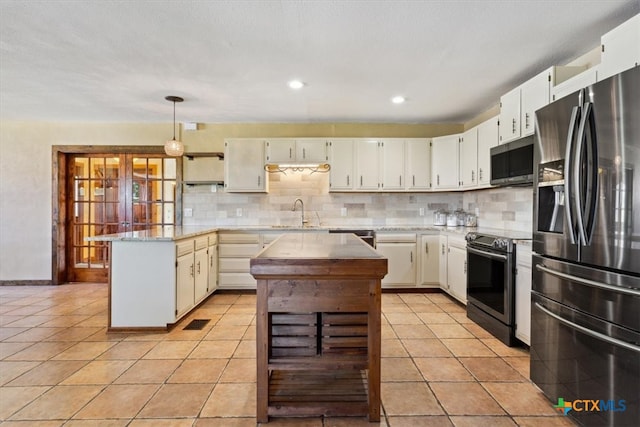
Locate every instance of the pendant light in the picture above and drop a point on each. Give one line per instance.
(174, 147)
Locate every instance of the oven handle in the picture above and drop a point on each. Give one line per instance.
(587, 331)
(588, 282)
(487, 254)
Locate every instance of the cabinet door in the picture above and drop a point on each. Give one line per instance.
(184, 283)
(201, 280)
(367, 164)
(401, 263)
(444, 162)
(487, 138)
(311, 150)
(469, 158)
(280, 150)
(444, 261)
(244, 169)
(429, 260)
(418, 163)
(392, 164)
(534, 94)
(510, 116)
(341, 159)
(620, 48)
(212, 265)
(523, 294)
(457, 273)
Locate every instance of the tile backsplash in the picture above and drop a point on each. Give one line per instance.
(505, 208)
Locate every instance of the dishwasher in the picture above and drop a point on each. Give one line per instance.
(369, 236)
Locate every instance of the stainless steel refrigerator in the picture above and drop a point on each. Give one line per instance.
(585, 330)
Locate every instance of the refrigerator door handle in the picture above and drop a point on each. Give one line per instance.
(588, 282)
(568, 168)
(588, 137)
(588, 331)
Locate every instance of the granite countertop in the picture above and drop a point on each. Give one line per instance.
(172, 233)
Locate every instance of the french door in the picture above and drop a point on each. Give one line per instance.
(112, 193)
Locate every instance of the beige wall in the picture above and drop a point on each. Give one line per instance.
(25, 170)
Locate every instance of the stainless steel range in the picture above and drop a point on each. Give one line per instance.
(491, 263)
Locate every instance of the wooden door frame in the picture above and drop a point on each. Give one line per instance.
(59, 220)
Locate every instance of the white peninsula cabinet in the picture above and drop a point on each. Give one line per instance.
(400, 250)
(157, 276)
(235, 250)
(244, 168)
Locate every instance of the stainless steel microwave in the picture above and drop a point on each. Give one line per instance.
(512, 163)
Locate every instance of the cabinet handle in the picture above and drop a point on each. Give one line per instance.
(438, 179)
(347, 180)
(290, 153)
(360, 180)
(513, 126)
(400, 180)
(191, 270)
(526, 120)
(414, 180)
(198, 267)
(304, 153)
(480, 174)
(426, 248)
(211, 262)
(258, 181)
(473, 176)
(465, 267)
(411, 256)
(443, 249)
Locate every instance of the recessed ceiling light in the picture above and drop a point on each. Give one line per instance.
(296, 84)
(398, 99)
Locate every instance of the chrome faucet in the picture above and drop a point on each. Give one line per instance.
(302, 220)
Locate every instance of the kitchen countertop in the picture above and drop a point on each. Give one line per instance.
(172, 233)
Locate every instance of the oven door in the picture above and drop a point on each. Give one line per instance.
(490, 282)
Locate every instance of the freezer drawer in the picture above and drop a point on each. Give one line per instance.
(575, 357)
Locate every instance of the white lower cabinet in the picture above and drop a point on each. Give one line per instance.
(212, 272)
(443, 250)
(235, 249)
(192, 273)
(429, 256)
(523, 293)
(457, 268)
(400, 250)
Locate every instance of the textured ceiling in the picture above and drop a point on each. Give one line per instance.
(116, 60)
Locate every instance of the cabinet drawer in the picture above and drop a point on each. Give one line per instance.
(396, 237)
(268, 238)
(184, 247)
(239, 238)
(238, 250)
(233, 264)
(202, 242)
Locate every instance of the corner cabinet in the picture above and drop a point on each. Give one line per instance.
(244, 169)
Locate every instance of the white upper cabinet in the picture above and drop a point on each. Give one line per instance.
(244, 168)
(620, 48)
(582, 80)
(518, 106)
(311, 150)
(280, 150)
(469, 158)
(418, 164)
(392, 167)
(487, 138)
(367, 164)
(444, 162)
(341, 159)
(287, 150)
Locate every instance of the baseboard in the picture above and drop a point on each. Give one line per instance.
(26, 282)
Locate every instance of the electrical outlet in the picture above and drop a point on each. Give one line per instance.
(421, 211)
(343, 211)
(188, 212)
(239, 212)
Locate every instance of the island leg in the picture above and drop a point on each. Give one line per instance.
(374, 351)
(262, 353)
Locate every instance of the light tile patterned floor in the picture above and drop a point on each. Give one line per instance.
(58, 366)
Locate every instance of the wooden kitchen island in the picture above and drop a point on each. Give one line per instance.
(318, 326)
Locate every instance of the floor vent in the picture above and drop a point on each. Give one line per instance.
(196, 324)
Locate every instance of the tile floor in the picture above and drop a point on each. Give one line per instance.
(58, 366)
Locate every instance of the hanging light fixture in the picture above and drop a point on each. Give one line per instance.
(174, 147)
